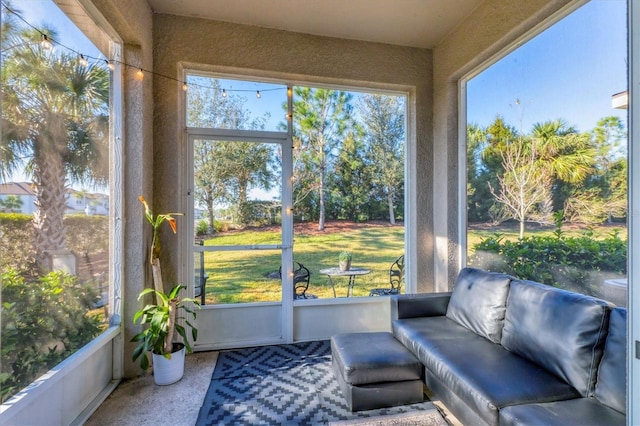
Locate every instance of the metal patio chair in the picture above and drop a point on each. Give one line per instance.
(396, 279)
(301, 280)
(200, 276)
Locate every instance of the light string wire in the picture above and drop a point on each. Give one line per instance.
(85, 57)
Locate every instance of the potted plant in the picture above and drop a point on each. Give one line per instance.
(161, 318)
(344, 260)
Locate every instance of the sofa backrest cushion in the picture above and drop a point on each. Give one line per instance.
(561, 331)
(611, 386)
(478, 302)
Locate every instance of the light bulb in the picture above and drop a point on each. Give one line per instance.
(140, 74)
(83, 61)
(45, 43)
(224, 93)
(258, 95)
(110, 64)
(184, 86)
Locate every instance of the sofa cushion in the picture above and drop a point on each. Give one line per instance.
(561, 331)
(580, 411)
(481, 373)
(611, 386)
(478, 302)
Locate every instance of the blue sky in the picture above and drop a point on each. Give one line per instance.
(39, 12)
(569, 71)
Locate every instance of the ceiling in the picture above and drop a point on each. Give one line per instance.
(416, 23)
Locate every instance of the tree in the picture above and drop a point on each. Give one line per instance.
(383, 120)
(225, 171)
(320, 120)
(609, 137)
(351, 180)
(524, 185)
(209, 177)
(55, 118)
(12, 203)
(566, 154)
(479, 197)
(248, 165)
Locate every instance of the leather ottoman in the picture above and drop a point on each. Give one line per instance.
(374, 370)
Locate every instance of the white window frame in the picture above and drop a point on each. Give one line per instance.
(633, 242)
(410, 173)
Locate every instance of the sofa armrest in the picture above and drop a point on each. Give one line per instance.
(419, 305)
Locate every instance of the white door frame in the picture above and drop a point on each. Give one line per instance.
(243, 317)
(633, 319)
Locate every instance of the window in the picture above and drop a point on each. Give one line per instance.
(347, 188)
(56, 155)
(547, 160)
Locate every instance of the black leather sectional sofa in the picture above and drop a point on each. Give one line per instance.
(503, 351)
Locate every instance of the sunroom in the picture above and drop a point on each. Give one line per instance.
(158, 51)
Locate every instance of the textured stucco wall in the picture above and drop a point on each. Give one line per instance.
(492, 28)
(132, 20)
(242, 49)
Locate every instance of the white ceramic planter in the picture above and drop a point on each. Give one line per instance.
(168, 371)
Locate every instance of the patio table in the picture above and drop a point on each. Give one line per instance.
(351, 273)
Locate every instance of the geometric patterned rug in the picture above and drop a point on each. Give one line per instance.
(281, 385)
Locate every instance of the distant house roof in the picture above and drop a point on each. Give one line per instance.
(620, 100)
(16, 188)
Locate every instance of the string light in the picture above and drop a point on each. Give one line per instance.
(45, 43)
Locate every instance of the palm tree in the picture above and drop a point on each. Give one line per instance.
(566, 154)
(54, 124)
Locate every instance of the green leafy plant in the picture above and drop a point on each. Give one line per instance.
(574, 263)
(161, 317)
(161, 320)
(345, 256)
(44, 320)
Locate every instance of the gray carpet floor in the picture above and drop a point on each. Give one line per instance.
(282, 385)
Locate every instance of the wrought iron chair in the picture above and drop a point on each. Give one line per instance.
(396, 279)
(200, 276)
(301, 280)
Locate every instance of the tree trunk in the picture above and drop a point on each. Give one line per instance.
(392, 217)
(321, 220)
(521, 229)
(50, 203)
(211, 214)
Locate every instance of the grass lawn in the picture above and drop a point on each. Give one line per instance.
(251, 275)
(244, 276)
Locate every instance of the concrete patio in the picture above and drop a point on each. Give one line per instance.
(141, 402)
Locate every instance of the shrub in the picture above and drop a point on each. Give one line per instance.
(16, 240)
(44, 321)
(202, 228)
(579, 264)
(87, 234)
